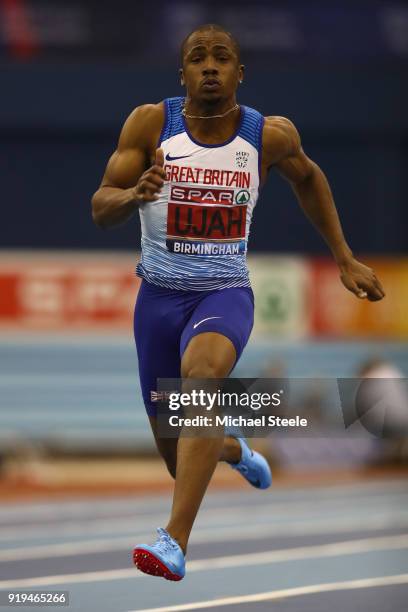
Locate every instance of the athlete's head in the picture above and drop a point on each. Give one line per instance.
(211, 64)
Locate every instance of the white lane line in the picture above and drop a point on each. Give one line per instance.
(349, 547)
(216, 534)
(97, 527)
(65, 510)
(295, 592)
(65, 550)
(62, 510)
(264, 515)
(276, 510)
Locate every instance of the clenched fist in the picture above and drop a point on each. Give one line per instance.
(151, 181)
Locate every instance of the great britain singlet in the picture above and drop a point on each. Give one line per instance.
(195, 235)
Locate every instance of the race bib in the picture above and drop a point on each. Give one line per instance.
(206, 221)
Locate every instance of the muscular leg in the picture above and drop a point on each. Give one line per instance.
(167, 447)
(208, 355)
(159, 319)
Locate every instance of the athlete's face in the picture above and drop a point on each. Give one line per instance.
(211, 69)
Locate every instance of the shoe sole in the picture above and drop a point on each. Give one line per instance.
(146, 562)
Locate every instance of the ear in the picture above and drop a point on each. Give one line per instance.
(181, 74)
(241, 71)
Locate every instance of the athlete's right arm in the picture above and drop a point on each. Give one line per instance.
(129, 178)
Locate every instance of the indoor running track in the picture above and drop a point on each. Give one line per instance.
(313, 549)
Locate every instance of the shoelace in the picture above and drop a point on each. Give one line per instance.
(166, 540)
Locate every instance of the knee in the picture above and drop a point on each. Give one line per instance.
(209, 375)
(207, 369)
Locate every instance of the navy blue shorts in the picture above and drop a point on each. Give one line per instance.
(166, 320)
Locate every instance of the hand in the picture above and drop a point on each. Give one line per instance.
(151, 181)
(361, 280)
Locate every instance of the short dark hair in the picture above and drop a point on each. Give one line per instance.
(216, 28)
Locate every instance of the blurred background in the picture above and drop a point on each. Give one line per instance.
(71, 413)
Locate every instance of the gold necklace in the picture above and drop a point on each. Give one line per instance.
(183, 112)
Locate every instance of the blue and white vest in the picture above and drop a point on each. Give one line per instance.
(194, 237)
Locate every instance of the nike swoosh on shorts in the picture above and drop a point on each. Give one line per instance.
(202, 321)
(170, 158)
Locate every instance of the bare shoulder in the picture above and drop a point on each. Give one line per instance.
(280, 139)
(143, 126)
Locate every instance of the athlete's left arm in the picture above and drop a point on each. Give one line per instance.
(282, 150)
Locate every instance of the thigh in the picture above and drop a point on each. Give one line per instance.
(228, 313)
(158, 324)
(208, 355)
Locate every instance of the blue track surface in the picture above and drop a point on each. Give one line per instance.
(315, 549)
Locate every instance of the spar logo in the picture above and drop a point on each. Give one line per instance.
(242, 197)
(202, 195)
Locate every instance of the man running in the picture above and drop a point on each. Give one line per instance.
(193, 167)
